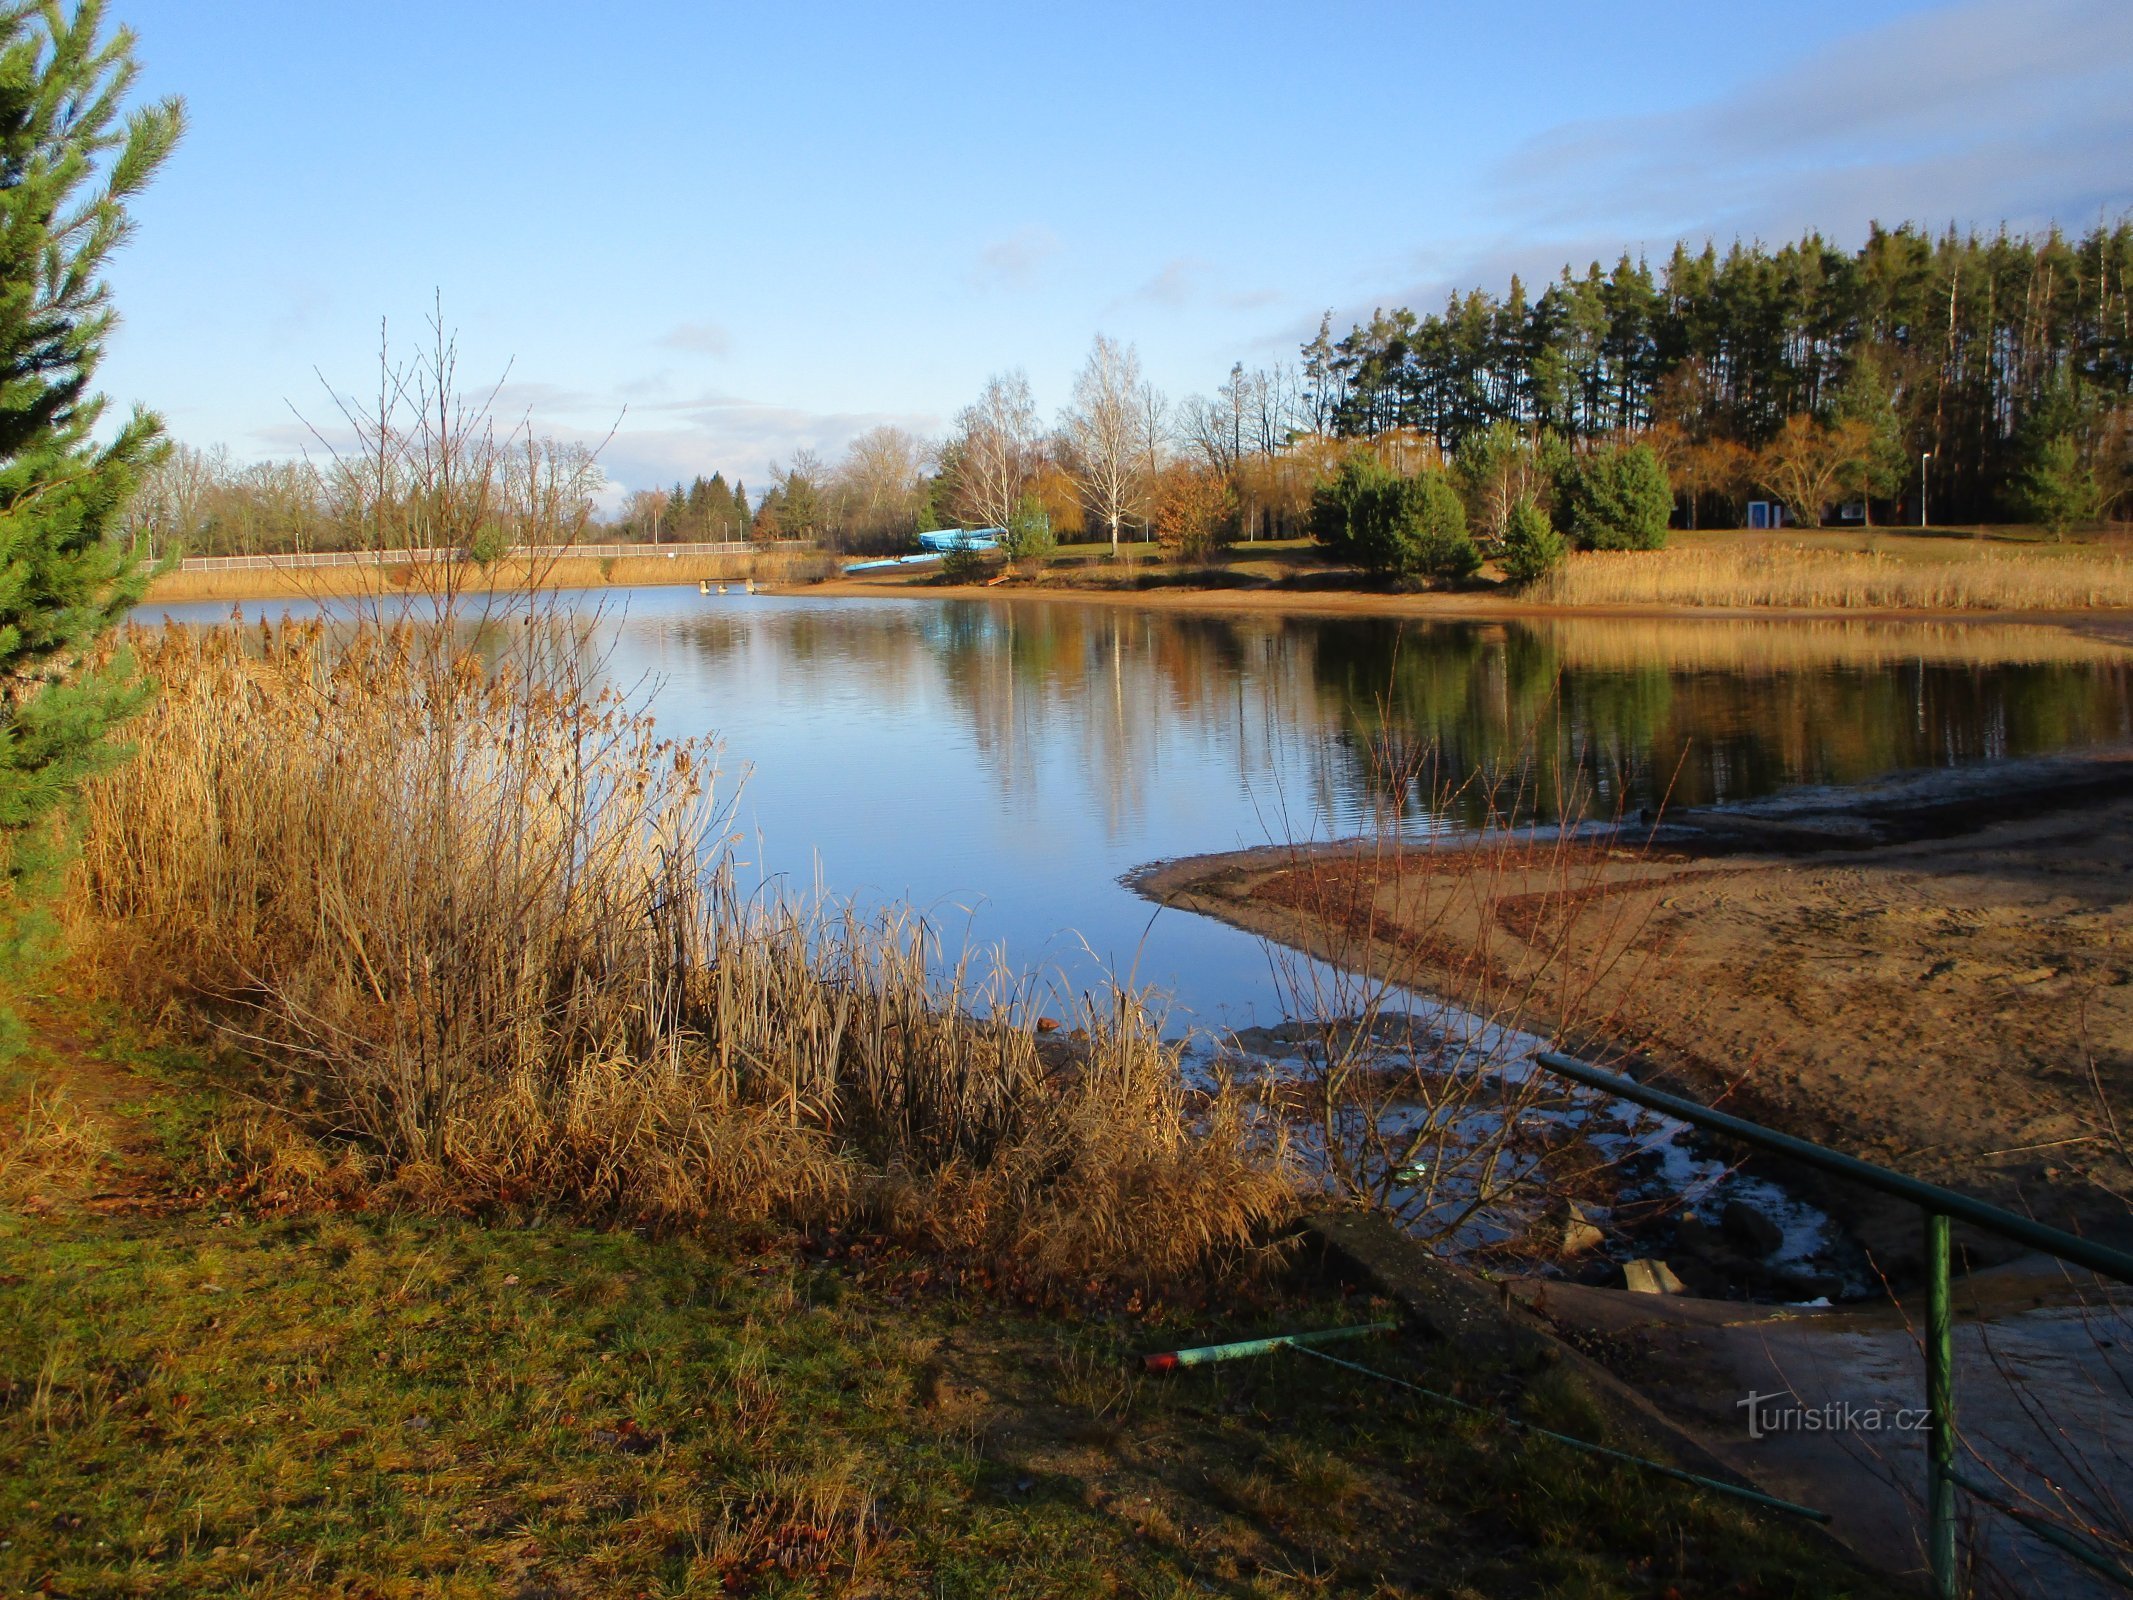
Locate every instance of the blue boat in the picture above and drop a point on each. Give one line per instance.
(946, 539)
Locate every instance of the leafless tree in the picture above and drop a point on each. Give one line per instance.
(996, 451)
(549, 486)
(877, 485)
(646, 508)
(1156, 438)
(1107, 432)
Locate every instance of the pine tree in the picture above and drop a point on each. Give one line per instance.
(68, 165)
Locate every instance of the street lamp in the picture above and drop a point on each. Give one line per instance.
(1923, 457)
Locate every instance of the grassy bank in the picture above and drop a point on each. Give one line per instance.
(507, 575)
(211, 1382)
(497, 1204)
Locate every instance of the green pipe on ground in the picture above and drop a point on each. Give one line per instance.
(1171, 1360)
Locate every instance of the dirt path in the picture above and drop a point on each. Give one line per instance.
(1946, 995)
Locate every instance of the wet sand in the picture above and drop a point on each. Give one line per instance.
(1936, 976)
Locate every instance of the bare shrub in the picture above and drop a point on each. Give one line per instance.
(1429, 968)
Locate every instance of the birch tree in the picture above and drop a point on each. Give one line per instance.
(1107, 433)
(995, 452)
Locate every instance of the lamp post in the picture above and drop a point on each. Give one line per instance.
(1923, 457)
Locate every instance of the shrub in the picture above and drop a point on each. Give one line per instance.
(1195, 511)
(1617, 498)
(1531, 547)
(1392, 526)
(2056, 489)
(1029, 533)
(1438, 545)
(490, 545)
(1498, 467)
(962, 564)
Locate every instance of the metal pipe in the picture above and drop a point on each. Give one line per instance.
(1929, 1196)
(1718, 1485)
(1940, 1413)
(1200, 1356)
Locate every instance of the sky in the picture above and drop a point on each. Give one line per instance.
(706, 236)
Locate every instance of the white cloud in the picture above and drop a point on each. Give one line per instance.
(1183, 281)
(1983, 112)
(1012, 262)
(1975, 114)
(699, 338)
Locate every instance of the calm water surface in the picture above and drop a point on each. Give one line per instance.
(1001, 764)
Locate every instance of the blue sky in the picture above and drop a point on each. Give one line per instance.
(729, 232)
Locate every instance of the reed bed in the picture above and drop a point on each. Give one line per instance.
(1758, 647)
(474, 921)
(1807, 578)
(565, 572)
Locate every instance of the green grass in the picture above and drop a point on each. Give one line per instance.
(200, 1399)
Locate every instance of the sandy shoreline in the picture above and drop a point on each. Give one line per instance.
(1936, 975)
(2113, 624)
(328, 583)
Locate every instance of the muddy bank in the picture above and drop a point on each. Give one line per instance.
(1934, 973)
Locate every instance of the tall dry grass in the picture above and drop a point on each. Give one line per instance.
(475, 918)
(775, 567)
(1808, 578)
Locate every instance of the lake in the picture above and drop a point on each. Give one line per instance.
(1001, 764)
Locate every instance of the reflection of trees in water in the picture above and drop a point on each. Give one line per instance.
(1511, 704)
(1096, 701)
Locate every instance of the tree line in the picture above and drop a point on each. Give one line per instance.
(1801, 373)
(1978, 377)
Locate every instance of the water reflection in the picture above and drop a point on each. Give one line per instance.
(1001, 764)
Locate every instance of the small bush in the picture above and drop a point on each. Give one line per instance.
(1531, 547)
(1617, 498)
(491, 544)
(962, 564)
(1392, 526)
(1029, 533)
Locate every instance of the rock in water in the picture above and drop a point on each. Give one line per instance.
(1750, 1230)
(1651, 1277)
(1578, 1233)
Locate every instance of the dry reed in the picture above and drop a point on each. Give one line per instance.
(564, 572)
(474, 919)
(1807, 578)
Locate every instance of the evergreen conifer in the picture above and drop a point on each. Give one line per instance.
(68, 166)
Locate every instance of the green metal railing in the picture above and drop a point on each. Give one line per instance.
(1940, 1207)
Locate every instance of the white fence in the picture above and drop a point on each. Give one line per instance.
(533, 552)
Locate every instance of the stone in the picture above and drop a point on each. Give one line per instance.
(1579, 1236)
(1750, 1229)
(1651, 1277)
